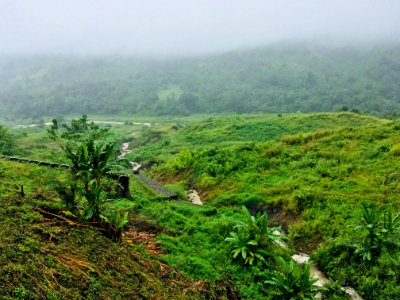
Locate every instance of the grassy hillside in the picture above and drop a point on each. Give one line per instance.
(309, 172)
(168, 136)
(47, 254)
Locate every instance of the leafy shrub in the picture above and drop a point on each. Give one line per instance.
(381, 230)
(395, 150)
(116, 220)
(206, 180)
(291, 281)
(305, 198)
(67, 192)
(180, 162)
(334, 291)
(252, 241)
(8, 144)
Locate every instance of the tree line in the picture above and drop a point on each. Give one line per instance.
(275, 79)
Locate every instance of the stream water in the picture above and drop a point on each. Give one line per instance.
(194, 197)
(299, 258)
(124, 151)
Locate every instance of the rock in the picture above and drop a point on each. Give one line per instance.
(194, 197)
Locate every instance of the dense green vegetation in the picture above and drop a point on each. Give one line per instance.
(309, 174)
(277, 79)
(90, 157)
(47, 254)
(7, 142)
(312, 182)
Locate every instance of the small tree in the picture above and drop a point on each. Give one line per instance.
(77, 130)
(7, 142)
(91, 157)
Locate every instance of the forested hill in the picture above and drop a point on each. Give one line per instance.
(274, 79)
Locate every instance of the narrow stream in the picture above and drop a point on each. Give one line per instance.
(299, 258)
(124, 151)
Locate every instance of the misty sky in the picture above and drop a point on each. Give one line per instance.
(187, 26)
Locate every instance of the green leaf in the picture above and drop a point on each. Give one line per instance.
(244, 252)
(252, 242)
(235, 252)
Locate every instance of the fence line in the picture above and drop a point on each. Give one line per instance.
(123, 180)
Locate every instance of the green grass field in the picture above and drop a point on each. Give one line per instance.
(309, 172)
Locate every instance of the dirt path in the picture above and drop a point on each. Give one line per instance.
(33, 125)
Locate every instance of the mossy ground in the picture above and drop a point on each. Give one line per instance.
(46, 254)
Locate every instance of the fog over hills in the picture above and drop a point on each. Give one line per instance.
(183, 57)
(178, 27)
(280, 78)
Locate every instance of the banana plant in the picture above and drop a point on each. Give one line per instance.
(90, 160)
(90, 156)
(291, 281)
(92, 195)
(253, 241)
(246, 248)
(381, 229)
(372, 244)
(116, 221)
